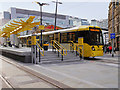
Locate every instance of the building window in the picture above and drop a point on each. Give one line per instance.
(70, 22)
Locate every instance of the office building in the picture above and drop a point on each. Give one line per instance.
(63, 21)
(103, 23)
(114, 22)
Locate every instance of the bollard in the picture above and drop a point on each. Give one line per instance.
(62, 55)
(58, 53)
(76, 50)
(80, 55)
(73, 47)
(39, 55)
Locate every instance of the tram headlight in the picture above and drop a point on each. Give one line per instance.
(93, 48)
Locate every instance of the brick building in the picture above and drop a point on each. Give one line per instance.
(114, 22)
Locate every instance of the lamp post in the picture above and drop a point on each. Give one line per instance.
(56, 11)
(41, 4)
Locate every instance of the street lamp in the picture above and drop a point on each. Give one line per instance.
(56, 11)
(41, 4)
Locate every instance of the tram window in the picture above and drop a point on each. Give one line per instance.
(71, 36)
(50, 38)
(63, 37)
(85, 35)
(101, 38)
(56, 36)
(96, 38)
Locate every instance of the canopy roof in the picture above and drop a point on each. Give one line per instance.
(18, 25)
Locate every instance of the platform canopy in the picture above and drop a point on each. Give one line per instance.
(16, 26)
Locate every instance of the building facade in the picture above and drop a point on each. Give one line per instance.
(114, 22)
(103, 23)
(84, 22)
(63, 21)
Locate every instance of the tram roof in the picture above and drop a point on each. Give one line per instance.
(78, 28)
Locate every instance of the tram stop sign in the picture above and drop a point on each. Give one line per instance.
(112, 35)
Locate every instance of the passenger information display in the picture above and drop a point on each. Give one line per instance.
(97, 30)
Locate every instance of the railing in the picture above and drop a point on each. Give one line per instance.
(72, 46)
(57, 46)
(80, 50)
(40, 48)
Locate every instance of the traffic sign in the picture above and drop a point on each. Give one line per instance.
(112, 35)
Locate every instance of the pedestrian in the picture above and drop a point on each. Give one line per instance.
(114, 50)
(110, 49)
(107, 50)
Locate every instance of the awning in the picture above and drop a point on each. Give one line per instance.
(17, 26)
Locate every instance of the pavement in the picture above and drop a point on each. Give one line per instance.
(20, 79)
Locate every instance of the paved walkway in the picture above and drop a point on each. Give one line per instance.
(20, 79)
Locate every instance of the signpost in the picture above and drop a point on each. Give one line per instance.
(112, 35)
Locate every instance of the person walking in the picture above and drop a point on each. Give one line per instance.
(110, 49)
(107, 49)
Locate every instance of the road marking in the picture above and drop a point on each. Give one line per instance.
(106, 58)
(114, 65)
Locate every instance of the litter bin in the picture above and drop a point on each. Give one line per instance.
(45, 45)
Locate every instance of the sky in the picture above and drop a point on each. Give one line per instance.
(89, 9)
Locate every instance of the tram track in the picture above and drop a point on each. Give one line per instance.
(33, 73)
(6, 83)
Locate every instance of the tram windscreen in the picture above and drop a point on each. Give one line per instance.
(91, 37)
(96, 38)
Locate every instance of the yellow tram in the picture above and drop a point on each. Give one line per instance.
(92, 39)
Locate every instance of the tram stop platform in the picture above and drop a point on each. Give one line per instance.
(20, 54)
